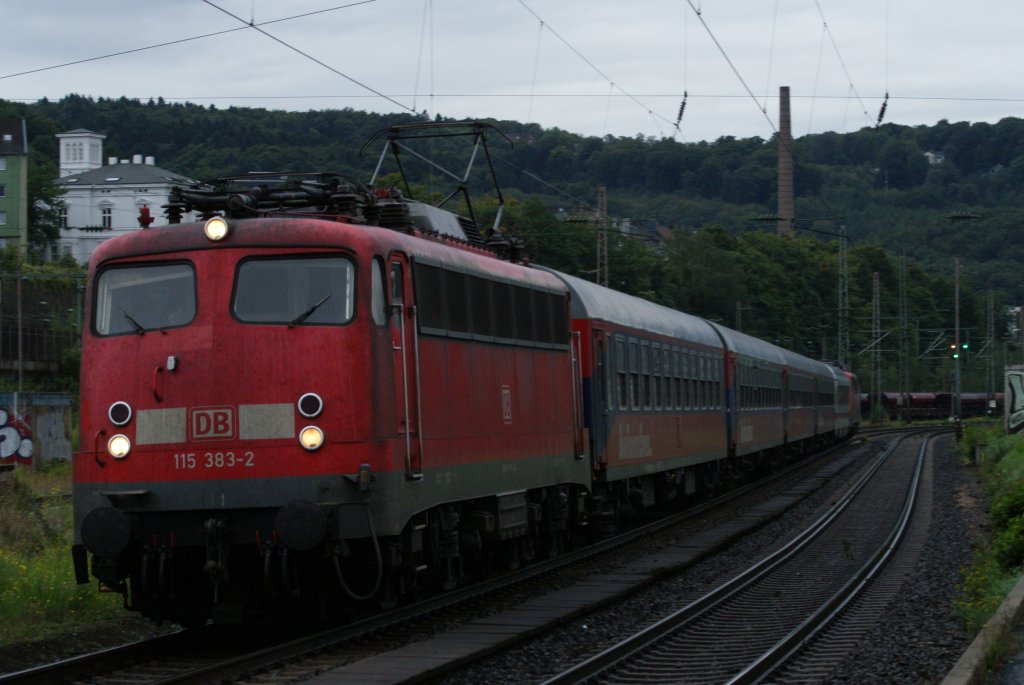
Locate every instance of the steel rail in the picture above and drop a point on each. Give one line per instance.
(642, 640)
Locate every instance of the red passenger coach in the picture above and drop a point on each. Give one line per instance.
(655, 400)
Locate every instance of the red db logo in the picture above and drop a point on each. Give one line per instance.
(212, 423)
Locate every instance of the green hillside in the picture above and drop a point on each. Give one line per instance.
(933, 193)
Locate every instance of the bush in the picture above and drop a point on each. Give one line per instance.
(995, 569)
(1008, 545)
(38, 593)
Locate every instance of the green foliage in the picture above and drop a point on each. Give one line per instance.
(51, 298)
(38, 593)
(997, 567)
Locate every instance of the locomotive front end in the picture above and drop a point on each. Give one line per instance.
(226, 424)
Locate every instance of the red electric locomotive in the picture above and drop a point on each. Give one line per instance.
(325, 393)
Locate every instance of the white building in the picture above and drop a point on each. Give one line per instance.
(103, 201)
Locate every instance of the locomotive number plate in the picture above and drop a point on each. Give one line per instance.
(188, 461)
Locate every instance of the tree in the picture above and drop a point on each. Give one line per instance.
(45, 204)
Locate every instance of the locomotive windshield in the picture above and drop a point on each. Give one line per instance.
(295, 291)
(136, 299)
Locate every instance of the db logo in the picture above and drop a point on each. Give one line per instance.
(212, 423)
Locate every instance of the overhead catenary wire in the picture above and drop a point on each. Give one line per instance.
(536, 64)
(732, 66)
(182, 40)
(771, 55)
(590, 64)
(427, 11)
(842, 63)
(817, 77)
(311, 58)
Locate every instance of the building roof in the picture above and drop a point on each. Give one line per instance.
(78, 131)
(15, 128)
(124, 174)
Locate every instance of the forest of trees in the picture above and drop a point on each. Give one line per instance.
(928, 195)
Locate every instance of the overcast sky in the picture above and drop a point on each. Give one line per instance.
(594, 67)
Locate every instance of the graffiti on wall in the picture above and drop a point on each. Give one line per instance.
(1014, 399)
(15, 438)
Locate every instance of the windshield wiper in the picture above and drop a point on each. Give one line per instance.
(139, 328)
(306, 314)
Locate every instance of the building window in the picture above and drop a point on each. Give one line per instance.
(3, 190)
(3, 218)
(105, 214)
(62, 217)
(3, 163)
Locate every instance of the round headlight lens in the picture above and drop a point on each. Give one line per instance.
(120, 413)
(310, 405)
(217, 228)
(311, 438)
(119, 446)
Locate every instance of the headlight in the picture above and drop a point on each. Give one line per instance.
(311, 438)
(120, 413)
(310, 405)
(119, 446)
(217, 228)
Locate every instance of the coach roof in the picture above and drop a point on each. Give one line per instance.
(591, 301)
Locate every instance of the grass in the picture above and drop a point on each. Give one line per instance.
(38, 593)
(996, 567)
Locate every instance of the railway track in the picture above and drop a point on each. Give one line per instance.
(776, 613)
(416, 641)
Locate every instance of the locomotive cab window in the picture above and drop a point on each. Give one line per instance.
(140, 298)
(294, 291)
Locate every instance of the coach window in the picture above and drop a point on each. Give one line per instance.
(719, 387)
(687, 379)
(674, 401)
(621, 373)
(634, 374)
(645, 373)
(657, 372)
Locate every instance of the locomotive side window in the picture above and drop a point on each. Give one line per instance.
(397, 293)
(135, 299)
(480, 306)
(294, 291)
(378, 302)
(458, 304)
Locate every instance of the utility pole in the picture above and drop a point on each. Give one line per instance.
(956, 342)
(602, 236)
(787, 211)
(991, 345)
(876, 353)
(843, 345)
(904, 361)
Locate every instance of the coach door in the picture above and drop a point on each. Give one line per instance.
(405, 344)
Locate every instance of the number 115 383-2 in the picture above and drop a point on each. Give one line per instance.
(187, 461)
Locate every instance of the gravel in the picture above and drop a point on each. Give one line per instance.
(919, 639)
